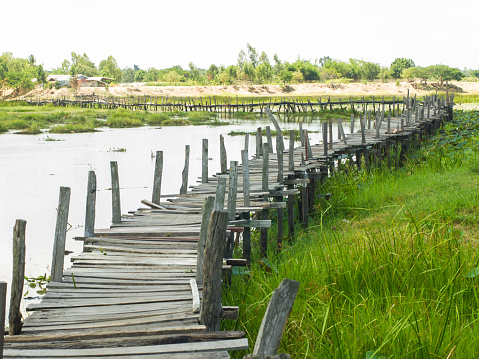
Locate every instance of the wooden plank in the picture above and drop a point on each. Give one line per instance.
(196, 296)
(233, 344)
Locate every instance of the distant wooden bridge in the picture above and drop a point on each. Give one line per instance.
(150, 286)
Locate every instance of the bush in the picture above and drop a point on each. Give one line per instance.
(57, 85)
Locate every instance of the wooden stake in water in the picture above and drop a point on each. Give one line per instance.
(292, 135)
(115, 193)
(18, 278)
(204, 161)
(184, 173)
(157, 178)
(60, 235)
(90, 205)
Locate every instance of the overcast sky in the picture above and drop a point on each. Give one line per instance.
(166, 33)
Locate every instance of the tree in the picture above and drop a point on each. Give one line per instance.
(32, 60)
(264, 72)
(444, 73)
(398, 65)
(241, 59)
(253, 55)
(370, 70)
(263, 58)
(249, 71)
(474, 73)
(329, 74)
(41, 75)
(212, 72)
(109, 68)
(286, 77)
(232, 72)
(172, 77)
(140, 75)
(127, 75)
(410, 74)
(384, 74)
(81, 64)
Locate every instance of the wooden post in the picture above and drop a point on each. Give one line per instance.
(363, 134)
(259, 140)
(269, 139)
(115, 193)
(204, 161)
(223, 159)
(90, 205)
(275, 317)
(3, 307)
(157, 179)
(60, 235)
(291, 151)
(184, 173)
(246, 141)
(18, 278)
(246, 215)
(220, 193)
(325, 138)
(210, 313)
(330, 123)
(232, 190)
(263, 244)
(308, 145)
(205, 222)
(279, 145)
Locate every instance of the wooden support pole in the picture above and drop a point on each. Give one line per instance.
(220, 193)
(18, 278)
(246, 215)
(259, 141)
(184, 173)
(115, 193)
(223, 159)
(60, 235)
(275, 317)
(292, 135)
(325, 138)
(204, 161)
(363, 134)
(269, 139)
(305, 206)
(3, 307)
(156, 195)
(208, 205)
(279, 144)
(232, 190)
(291, 209)
(330, 123)
(246, 141)
(308, 145)
(210, 313)
(263, 244)
(90, 205)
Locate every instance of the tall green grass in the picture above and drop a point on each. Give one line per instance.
(388, 265)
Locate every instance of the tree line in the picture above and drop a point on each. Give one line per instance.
(251, 67)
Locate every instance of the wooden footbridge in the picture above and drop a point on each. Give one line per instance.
(150, 286)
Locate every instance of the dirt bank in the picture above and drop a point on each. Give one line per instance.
(315, 89)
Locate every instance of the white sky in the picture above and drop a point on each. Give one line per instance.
(166, 33)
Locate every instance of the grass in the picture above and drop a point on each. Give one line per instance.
(389, 263)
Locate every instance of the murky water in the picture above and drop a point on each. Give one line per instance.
(33, 169)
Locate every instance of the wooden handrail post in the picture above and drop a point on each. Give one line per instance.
(205, 221)
(246, 198)
(220, 193)
(292, 135)
(115, 193)
(90, 205)
(58, 256)
(259, 142)
(275, 317)
(156, 194)
(263, 244)
(324, 131)
(204, 161)
(269, 139)
(210, 313)
(232, 190)
(184, 174)
(3, 306)
(18, 278)
(223, 157)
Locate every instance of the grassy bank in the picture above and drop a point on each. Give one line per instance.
(389, 265)
(31, 119)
